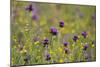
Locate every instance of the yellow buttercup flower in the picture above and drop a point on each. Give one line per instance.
(12, 59)
(37, 42)
(61, 60)
(73, 45)
(79, 36)
(93, 46)
(51, 52)
(81, 46)
(15, 40)
(60, 49)
(23, 51)
(15, 47)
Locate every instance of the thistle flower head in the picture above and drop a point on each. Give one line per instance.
(84, 34)
(85, 47)
(61, 23)
(48, 57)
(53, 31)
(45, 42)
(35, 17)
(29, 8)
(75, 38)
(65, 43)
(66, 50)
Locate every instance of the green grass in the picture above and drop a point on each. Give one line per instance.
(25, 29)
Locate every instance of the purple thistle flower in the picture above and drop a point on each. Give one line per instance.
(85, 47)
(65, 44)
(48, 57)
(61, 23)
(35, 17)
(45, 42)
(66, 50)
(29, 8)
(84, 34)
(53, 30)
(75, 38)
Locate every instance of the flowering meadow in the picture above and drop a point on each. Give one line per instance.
(49, 33)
